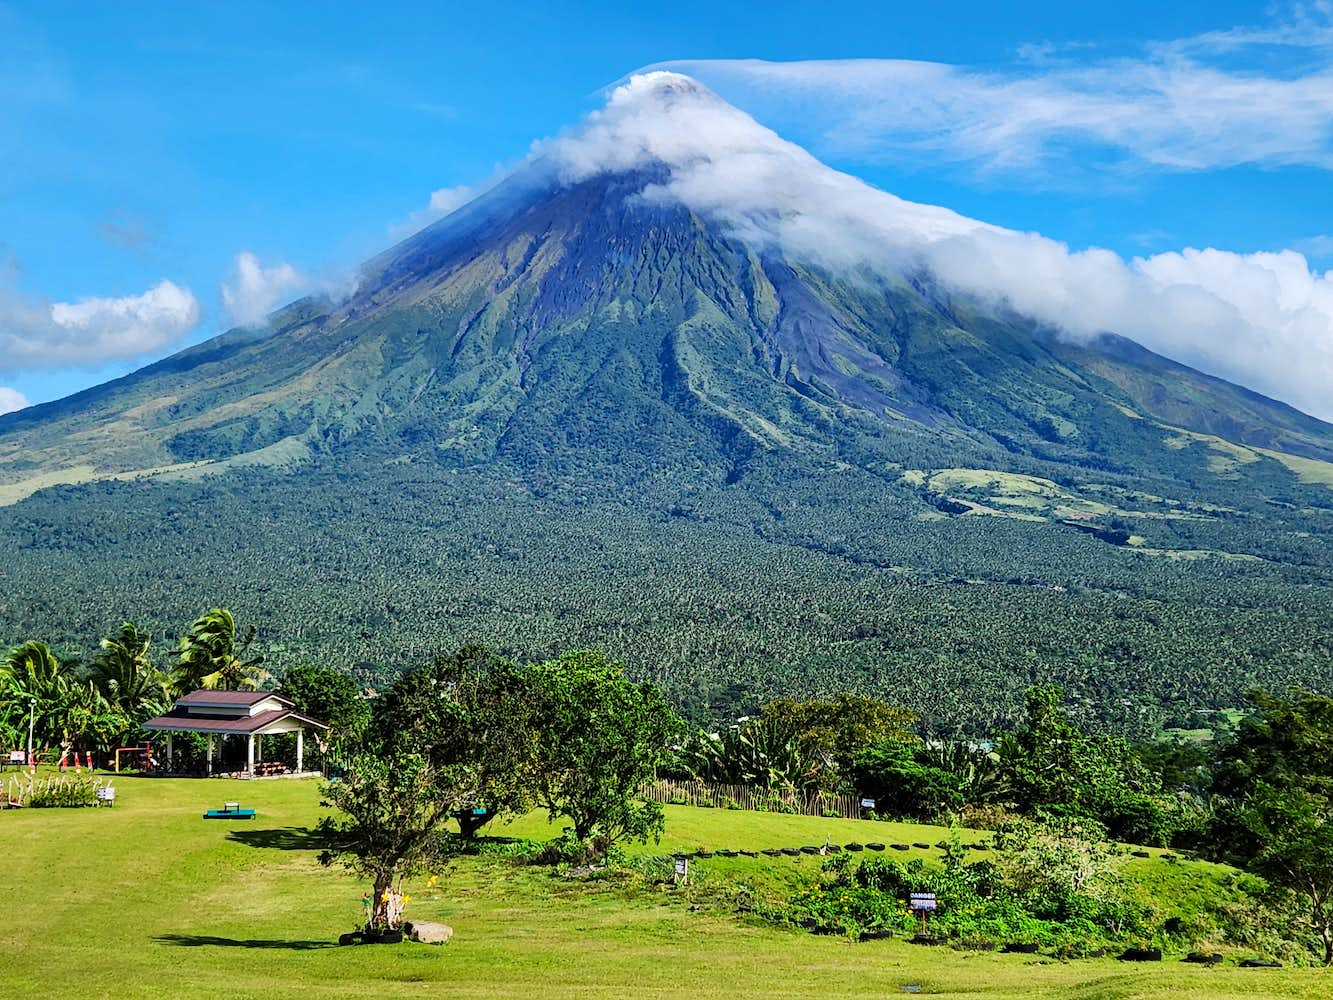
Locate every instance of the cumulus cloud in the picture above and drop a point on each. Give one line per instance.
(252, 291)
(1264, 320)
(1184, 105)
(11, 400)
(35, 333)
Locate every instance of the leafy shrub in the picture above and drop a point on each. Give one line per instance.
(1035, 892)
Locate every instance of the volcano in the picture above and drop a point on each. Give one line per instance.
(612, 402)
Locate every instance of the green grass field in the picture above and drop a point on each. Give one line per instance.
(148, 899)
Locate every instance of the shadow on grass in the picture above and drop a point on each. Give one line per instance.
(209, 941)
(286, 838)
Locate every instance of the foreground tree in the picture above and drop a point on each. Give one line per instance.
(902, 785)
(443, 739)
(329, 695)
(391, 803)
(836, 729)
(1274, 815)
(601, 737)
(1053, 768)
(210, 656)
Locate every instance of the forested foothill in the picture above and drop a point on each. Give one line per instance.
(725, 596)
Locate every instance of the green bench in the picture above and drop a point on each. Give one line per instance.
(230, 810)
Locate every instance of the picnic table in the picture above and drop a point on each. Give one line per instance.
(230, 810)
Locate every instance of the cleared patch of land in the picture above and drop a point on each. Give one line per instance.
(147, 898)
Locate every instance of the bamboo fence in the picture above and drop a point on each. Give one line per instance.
(720, 796)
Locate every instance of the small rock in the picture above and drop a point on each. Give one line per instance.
(428, 932)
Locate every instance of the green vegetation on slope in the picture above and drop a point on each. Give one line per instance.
(788, 582)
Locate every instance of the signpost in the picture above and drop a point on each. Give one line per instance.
(682, 870)
(32, 717)
(922, 903)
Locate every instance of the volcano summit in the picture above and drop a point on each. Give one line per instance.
(678, 390)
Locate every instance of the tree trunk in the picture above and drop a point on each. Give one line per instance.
(378, 906)
(469, 823)
(1326, 935)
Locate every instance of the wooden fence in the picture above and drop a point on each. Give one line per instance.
(698, 793)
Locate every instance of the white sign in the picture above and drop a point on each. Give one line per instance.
(920, 901)
(682, 866)
(867, 803)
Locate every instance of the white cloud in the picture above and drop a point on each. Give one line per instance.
(1315, 246)
(1190, 104)
(38, 334)
(445, 200)
(11, 400)
(1264, 320)
(441, 202)
(252, 291)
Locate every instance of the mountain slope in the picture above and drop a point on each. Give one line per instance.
(572, 403)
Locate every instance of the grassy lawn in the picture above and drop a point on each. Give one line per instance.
(148, 899)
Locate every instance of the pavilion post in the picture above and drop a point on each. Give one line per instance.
(250, 754)
(300, 749)
(209, 767)
(171, 764)
(259, 747)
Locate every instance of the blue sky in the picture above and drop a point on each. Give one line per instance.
(151, 143)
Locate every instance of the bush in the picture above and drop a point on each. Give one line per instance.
(1031, 895)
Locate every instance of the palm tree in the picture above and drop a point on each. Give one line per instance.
(68, 709)
(210, 657)
(33, 671)
(126, 676)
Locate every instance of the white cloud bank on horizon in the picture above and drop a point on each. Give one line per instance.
(1263, 320)
(11, 400)
(35, 333)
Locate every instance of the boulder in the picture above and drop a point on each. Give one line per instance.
(427, 932)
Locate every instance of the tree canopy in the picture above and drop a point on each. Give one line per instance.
(1274, 782)
(601, 737)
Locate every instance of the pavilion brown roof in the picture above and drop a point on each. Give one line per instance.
(178, 720)
(207, 697)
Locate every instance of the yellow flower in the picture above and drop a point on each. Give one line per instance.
(407, 899)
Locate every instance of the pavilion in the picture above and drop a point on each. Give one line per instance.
(252, 714)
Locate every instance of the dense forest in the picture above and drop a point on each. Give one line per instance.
(726, 595)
